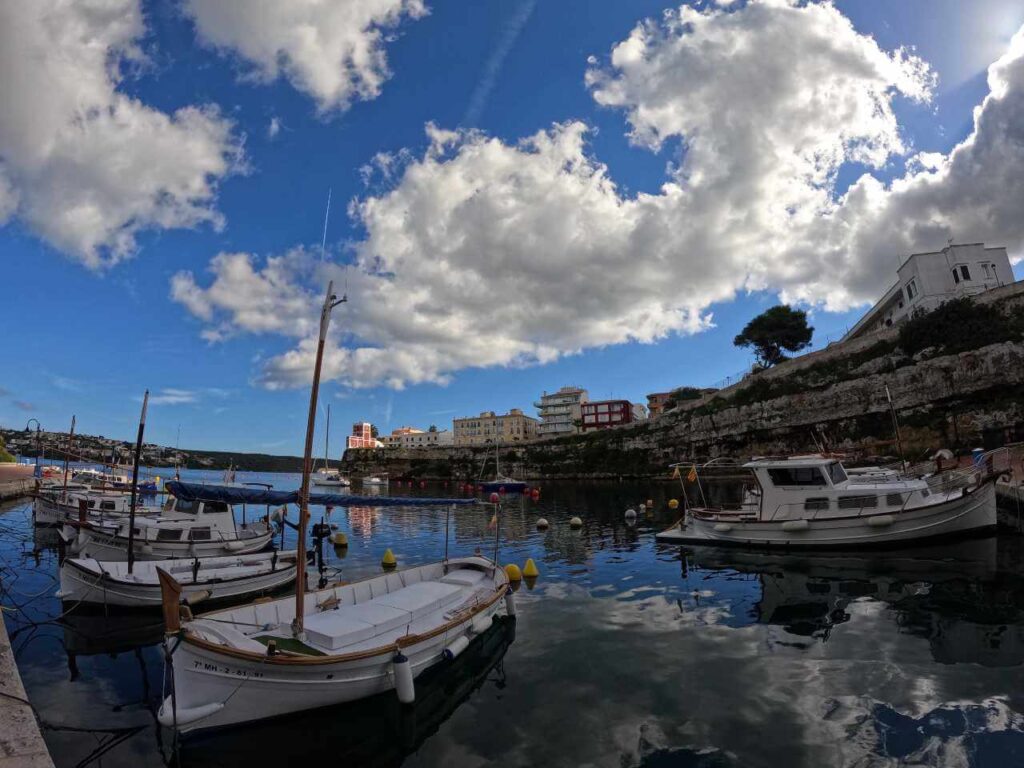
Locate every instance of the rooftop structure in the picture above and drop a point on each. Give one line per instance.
(602, 414)
(926, 280)
(362, 436)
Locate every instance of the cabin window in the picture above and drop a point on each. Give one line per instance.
(199, 534)
(215, 506)
(818, 503)
(858, 502)
(837, 473)
(185, 506)
(816, 588)
(168, 534)
(92, 504)
(796, 476)
(924, 493)
(108, 506)
(894, 499)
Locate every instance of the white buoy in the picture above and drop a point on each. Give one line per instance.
(510, 603)
(575, 523)
(542, 523)
(631, 514)
(404, 686)
(457, 646)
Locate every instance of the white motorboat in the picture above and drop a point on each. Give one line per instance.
(375, 480)
(244, 664)
(810, 502)
(191, 529)
(86, 580)
(330, 478)
(59, 506)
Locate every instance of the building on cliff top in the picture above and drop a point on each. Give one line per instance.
(512, 427)
(410, 437)
(602, 414)
(560, 412)
(362, 436)
(926, 280)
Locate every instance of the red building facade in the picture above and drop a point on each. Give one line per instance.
(602, 414)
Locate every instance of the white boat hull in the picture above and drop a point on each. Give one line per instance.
(104, 545)
(970, 513)
(50, 512)
(84, 581)
(215, 689)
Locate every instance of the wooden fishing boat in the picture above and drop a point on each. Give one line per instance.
(244, 664)
(810, 502)
(86, 580)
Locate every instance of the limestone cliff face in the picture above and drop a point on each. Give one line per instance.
(835, 397)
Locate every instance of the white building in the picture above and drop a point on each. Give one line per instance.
(560, 412)
(428, 439)
(926, 280)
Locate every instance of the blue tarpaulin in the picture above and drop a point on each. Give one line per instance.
(231, 494)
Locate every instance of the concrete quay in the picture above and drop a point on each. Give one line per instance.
(21, 743)
(14, 489)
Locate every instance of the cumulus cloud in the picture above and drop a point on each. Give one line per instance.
(83, 165)
(332, 51)
(480, 252)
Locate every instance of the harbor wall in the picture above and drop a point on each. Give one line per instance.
(21, 743)
(833, 399)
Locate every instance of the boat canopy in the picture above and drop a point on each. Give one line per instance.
(237, 495)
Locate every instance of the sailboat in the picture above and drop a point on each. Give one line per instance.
(326, 476)
(337, 644)
(501, 483)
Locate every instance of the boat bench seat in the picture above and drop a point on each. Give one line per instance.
(465, 577)
(350, 624)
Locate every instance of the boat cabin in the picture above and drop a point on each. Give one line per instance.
(817, 486)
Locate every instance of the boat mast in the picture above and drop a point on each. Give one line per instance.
(330, 302)
(896, 428)
(67, 453)
(135, 483)
(327, 440)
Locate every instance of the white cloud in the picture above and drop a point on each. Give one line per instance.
(172, 396)
(273, 127)
(480, 252)
(83, 165)
(333, 51)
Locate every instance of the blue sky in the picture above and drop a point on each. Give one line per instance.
(88, 340)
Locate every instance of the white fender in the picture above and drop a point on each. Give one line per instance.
(186, 715)
(795, 525)
(723, 527)
(457, 646)
(404, 686)
(881, 521)
(510, 603)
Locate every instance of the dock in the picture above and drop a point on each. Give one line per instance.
(21, 743)
(15, 489)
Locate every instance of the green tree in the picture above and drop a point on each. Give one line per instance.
(5, 457)
(774, 330)
(433, 428)
(373, 430)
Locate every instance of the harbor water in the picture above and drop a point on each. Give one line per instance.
(625, 652)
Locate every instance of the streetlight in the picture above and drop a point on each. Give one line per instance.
(28, 431)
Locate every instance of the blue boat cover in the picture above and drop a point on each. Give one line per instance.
(231, 494)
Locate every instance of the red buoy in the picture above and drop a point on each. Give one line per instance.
(495, 498)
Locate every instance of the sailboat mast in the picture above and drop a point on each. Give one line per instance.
(67, 453)
(330, 301)
(135, 483)
(327, 440)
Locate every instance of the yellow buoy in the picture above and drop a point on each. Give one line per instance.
(339, 539)
(513, 572)
(388, 561)
(673, 503)
(575, 523)
(530, 569)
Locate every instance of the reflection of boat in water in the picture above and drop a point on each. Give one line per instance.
(953, 595)
(374, 732)
(91, 632)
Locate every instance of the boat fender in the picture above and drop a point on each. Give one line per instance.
(880, 521)
(510, 603)
(198, 597)
(147, 549)
(513, 572)
(457, 646)
(631, 514)
(404, 686)
(482, 623)
(795, 525)
(723, 527)
(186, 715)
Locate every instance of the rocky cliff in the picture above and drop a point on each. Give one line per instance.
(834, 398)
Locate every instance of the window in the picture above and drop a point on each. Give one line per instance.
(107, 506)
(168, 534)
(956, 276)
(796, 476)
(912, 290)
(894, 499)
(837, 473)
(199, 534)
(857, 502)
(986, 270)
(964, 272)
(818, 503)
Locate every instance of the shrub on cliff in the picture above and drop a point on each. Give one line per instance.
(956, 326)
(5, 457)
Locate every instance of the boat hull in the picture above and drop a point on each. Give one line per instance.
(102, 545)
(972, 513)
(84, 585)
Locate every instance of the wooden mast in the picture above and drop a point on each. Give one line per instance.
(67, 453)
(330, 302)
(135, 483)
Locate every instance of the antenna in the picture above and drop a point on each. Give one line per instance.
(327, 215)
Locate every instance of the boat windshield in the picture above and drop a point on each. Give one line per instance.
(837, 473)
